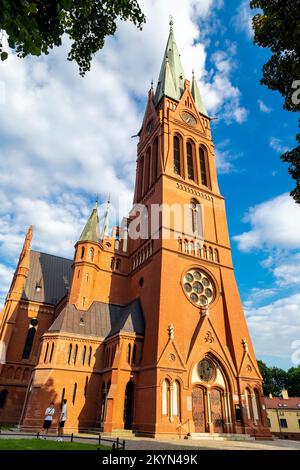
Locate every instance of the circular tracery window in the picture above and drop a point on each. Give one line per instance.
(206, 370)
(198, 287)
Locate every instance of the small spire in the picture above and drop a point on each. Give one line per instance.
(105, 230)
(90, 231)
(152, 83)
(27, 243)
(171, 23)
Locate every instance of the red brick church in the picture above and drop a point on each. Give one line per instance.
(141, 333)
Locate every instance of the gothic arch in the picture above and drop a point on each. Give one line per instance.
(219, 363)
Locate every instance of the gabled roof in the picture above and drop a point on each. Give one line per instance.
(101, 320)
(283, 403)
(91, 230)
(48, 279)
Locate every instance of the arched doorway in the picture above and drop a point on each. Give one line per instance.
(128, 405)
(211, 397)
(216, 409)
(198, 406)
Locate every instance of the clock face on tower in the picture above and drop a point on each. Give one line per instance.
(188, 118)
(198, 287)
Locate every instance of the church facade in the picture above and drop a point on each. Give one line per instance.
(145, 333)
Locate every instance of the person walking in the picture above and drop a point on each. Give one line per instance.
(48, 418)
(62, 420)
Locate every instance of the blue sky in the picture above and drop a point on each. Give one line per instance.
(58, 148)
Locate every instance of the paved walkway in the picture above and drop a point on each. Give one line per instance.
(141, 443)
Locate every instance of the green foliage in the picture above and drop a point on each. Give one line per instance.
(275, 380)
(35, 27)
(277, 27)
(294, 381)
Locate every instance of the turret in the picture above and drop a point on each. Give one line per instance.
(86, 264)
(21, 273)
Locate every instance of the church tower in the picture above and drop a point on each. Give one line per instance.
(198, 373)
(144, 328)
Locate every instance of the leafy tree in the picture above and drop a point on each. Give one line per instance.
(267, 377)
(293, 385)
(275, 380)
(34, 27)
(277, 27)
(279, 380)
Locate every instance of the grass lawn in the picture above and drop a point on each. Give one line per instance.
(42, 444)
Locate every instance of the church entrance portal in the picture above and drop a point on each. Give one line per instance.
(216, 410)
(198, 401)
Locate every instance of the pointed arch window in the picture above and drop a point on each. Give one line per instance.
(249, 404)
(177, 159)
(141, 176)
(74, 393)
(51, 352)
(203, 166)
(147, 168)
(128, 353)
(46, 353)
(70, 353)
(154, 160)
(82, 252)
(165, 397)
(190, 162)
(195, 214)
(134, 354)
(256, 405)
(176, 399)
(86, 386)
(83, 355)
(90, 356)
(29, 343)
(91, 254)
(75, 354)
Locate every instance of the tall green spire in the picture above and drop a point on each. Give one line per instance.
(171, 77)
(91, 231)
(197, 97)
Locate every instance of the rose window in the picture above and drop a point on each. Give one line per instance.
(198, 287)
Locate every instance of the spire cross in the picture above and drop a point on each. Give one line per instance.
(171, 23)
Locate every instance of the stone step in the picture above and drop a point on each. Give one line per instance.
(220, 436)
(122, 433)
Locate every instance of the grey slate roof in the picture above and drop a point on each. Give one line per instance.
(101, 320)
(52, 274)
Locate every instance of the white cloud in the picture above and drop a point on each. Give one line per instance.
(221, 96)
(258, 295)
(263, 107)
(243, 19)
(274, 224)
(285, 267)
(277, 145)
(275, 326)
(225, 158)
(65, 138)
(6, 275)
